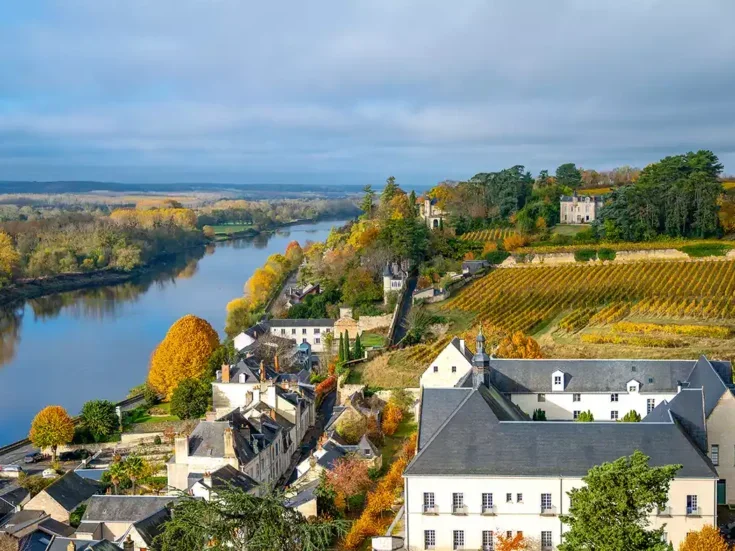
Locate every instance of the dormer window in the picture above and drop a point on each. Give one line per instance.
(633, 386)
(557, 380)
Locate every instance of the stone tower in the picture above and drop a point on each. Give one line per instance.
(480, 362)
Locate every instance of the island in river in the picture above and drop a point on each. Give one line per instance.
(67, 348)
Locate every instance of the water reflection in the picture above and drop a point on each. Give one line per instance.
(10, 321)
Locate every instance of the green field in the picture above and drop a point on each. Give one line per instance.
(372, 339)
(569, 229)
(227, 229)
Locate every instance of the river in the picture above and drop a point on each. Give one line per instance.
(71, 347)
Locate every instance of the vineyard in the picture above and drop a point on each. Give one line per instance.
(523, 299)
(484, 236)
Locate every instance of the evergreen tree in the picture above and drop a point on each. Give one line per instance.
(389, 191)
(348, 352)
(412, 200)
(368, 201)
(341, 355)
(358, 347)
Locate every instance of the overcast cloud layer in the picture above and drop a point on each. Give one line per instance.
(351, 91)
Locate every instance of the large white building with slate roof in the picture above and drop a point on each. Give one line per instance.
(483, 467)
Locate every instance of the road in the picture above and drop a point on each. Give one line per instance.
(15, 457)
(400, 331)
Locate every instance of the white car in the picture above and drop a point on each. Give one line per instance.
(49, 473)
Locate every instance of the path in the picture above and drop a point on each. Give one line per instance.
(400, 331)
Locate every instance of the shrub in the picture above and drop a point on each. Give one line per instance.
(496, 257)
(157, 440)
(585, 255)
(352, 428)
(585, 417)
(514, 241)
(651, 342)
(606, 254)
(632, 417)
(392, 416)
(150, 395)
(190, 399)
(706, 249)
(539, 415)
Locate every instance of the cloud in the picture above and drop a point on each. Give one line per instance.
(426, 90)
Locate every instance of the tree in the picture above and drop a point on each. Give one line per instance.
(190, 399)
(389, 191)
(568, 175)
(366, 205)
(116, 472)
(341, 348)
(9, 257)
(358, 348)
(632, 417)
(611, 511)
(585, 417)
(349, 476)
(360, 288)
(412, 202)
(706, 539)
(519, 345)
(539, 415)
(352, 428)
(392, 416)
(348, 352)
(237, 521)
(184, 353)
(52, 427)
(135, 467)
(511, 543)
(99, 418)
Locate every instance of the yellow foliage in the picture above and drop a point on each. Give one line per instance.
(9, 257)
(51, 427)
(519, 345)
(712, 331)
(151, 218)
(707, 539)
(490, 247)
(513, 242)
(182, 354)
(652, 342)
(362, 234)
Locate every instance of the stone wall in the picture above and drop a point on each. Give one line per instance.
(654, 254)
(346, 324)
(368, 323)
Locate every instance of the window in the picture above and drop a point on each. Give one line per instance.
(692, 508)
(509, 498)
(632, 388)
(545, 502)
(557, 379)
(458, 503)
(303, 331)
(614, 397)
(613, 415)
(327, 330)
(317, 331)
(650, 404)
(458, 539)
(715, 454)
(428, 502)
(293, 331)
(519, 498)
(283, 331)
(436, 369)
(541, 397)
(487, 503)
(509, 533)
(546, 539)
(575, 414)
(454, 369)
(488, 540)
(304, 340)
(429, 539)
(317, 340)
(576, 397)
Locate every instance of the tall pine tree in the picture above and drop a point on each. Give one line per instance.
(358, 347)
(348, 354)
(341, 355)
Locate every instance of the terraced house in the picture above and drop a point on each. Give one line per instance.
(483, 467)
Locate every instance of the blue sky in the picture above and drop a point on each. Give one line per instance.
(350, 92)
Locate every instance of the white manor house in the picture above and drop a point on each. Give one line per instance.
(483, 467)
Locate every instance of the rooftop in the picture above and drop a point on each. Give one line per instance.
(323, 322)
(71, 490)
(123, 508)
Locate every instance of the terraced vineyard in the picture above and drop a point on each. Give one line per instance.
(488, 235)
(521, 299)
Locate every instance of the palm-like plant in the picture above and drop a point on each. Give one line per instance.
(135, 468)
(117, 472)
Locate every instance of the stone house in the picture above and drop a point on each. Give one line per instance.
(63, 496)
(430, 212)
(576, 209)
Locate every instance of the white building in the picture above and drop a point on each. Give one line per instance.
(311, 331)
(430, 212)
(394, 278)
(579, 210)
(450, 367)
(484, 468)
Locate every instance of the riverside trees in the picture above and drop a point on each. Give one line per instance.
(51, 428)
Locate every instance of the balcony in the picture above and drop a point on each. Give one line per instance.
(694, 512)
(490, 511)
(664, 511)
(431, 510)
(459, 510)
(548, 511)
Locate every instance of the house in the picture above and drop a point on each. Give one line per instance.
(294, 295)
(428, 210)
(63, 496)
(449, 367)
(34, 530)
(328, 452)
(310, 331)
(12, 497)
(579, 210)
(115, 518)
(250, 335)
(394, 278)
(471, 267)
(305, 500)
(224, 477)
(463, 487)
(70, 544)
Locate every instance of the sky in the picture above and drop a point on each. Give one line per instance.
(344, 92)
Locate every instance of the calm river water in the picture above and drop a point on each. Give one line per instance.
(68, 348)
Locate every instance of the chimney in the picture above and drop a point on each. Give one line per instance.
(71, 546)
(211, 416)
(275, 360)
(207, 479)
(262, 371)
(128, 544)
(225, 373)
(678, 387)
(273, 414)
(229, 443)
(181, 449)
(461, 346)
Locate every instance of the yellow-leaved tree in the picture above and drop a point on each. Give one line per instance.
(519, 345)
(51, 428)
(182, 354)
(707, 539)
(9, 257)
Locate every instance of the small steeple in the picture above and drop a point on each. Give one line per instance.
(480, 361)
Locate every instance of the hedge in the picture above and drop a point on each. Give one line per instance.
(585, 255)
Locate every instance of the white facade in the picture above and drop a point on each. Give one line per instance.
(242, 341)
(303, 331)
(448, 368)
(526, 515)
(579, 210)
(431, 214)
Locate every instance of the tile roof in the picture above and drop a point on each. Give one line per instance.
(473, 441)
(71, 490)
(531, 376)
(123, 508)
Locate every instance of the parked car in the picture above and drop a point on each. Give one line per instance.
(33, 457)
(75, 455)
(49, 473)
(11, 471)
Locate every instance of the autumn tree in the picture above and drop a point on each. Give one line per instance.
(352, 428)
(52, 427)
(9, 257)
(183, 354)
(294, 254)
(392, 416)
(99, 418)
(360, 288)
(511, 543)
(349, 476)
(519, 345)
(190, 399)
(706, 539)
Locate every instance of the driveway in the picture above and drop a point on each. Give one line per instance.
(400, 331)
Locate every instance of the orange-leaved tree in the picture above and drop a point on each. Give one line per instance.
(706, 539)
(512, 543)
(182, 354)
(349, 476)
(392, 416)
(51, 428)
(294, 254)
(519, 345)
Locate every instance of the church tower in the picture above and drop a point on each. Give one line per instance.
(480, 362)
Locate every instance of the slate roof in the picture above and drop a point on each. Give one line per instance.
(229, 476)
(123, 508)
(60, 544)
(323, 322)
(21, 520)
(437, 404)
(149, 528)
(687, 408)
(71, 490)
(473, 441)
(332, 452)
(56, 528)
(305, 494)
(532, 376)
(467, 353)
(708, 376)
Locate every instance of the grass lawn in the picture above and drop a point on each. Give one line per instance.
(372, 339)
(393, 444)
(231, 228)
(142, 415)
(706, 249)
(569, 229)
